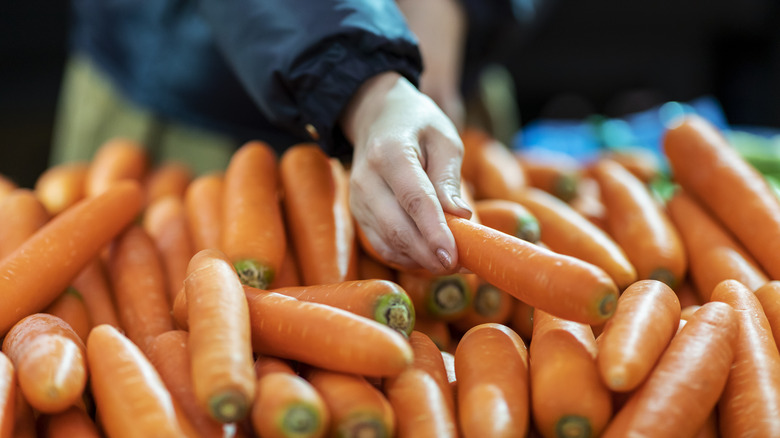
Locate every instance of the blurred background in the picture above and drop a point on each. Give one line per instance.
(583, 62)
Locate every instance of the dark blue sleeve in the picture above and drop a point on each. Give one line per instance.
(302, 60)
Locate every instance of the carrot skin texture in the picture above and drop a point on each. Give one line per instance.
(324, 336)
(219, 342)
(61, 186)
(287, 405)
(769, 296)
(568, 397)
(751, 399)
(491, 167)
(203, 205)
(419, 405)
(509, 217)
(138, 282)
(44, 265)
(21, 215)
(714, 173)
(685, 385)
(93, 285)
(316, 207)
(116, 160)
(7, 396)
(70, 307)
(559, 284)
(646, 319)
(491, 365)
(252, 232)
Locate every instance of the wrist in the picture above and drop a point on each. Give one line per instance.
(366, 105)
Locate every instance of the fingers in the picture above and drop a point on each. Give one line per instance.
(444, 158)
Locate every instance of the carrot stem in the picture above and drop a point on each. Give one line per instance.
(300, 420)
(228, 406)
(395, 311)
(253, 273)
(573, 426)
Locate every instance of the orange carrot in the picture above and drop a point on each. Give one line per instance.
(24, 423)
(219, 342)
(428, 358)
(565, 231)
(72, 422)
(49, 360)
(356, 408)
(169, 353)
(92, 284)
(6, 186)
(490, 304)
(443, 297)
(508, 217)
(687, 312)
(252, 233)
(21, 215)
(568, 397)
(116, 160)
(437, 330)
(491, 364)
(286, 405)
(556, 173)
(769, 296)
(138, 282)
(751, 399)
(640, 226)
(688, 295)
(324, 336)
(715, 174)
(522, 320)
(7, 396)
(70, 307)
(419, 406)
(203, 204)
(370, 268)
(165, 221)
(491, 167)
(167, 179)
(316, 205)
(646, 319)
(713, 255)
(131, 398)
(685, 385)
(61, 186)
(588, 202)
(642, 163)
(562, 285)
(289, 274)
(381, 300)
(38, 271)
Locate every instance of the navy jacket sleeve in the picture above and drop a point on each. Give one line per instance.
(301, 60)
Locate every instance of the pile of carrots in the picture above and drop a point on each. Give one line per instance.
(141, 300)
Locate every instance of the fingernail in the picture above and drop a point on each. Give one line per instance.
(444, 258)
(461, 203)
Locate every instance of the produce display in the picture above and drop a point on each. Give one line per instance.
(138, 299)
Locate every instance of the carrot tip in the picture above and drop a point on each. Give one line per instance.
(363, 425)
(664, 275)
(229, 406)
(396, 312)
(449, 295)
(300, 421)
(487, 299)
(608, 305)
(528, 229)
(254, 274)
(565, 187)
(572, 426)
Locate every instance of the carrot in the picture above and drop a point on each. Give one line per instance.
(7, 396)
(685, 385)
(640, 226)
(289, 274)
(687, 294)
(316, 205)
(169, 353)
(324, 336)
(714, 173)
(370, 268)
(21, 215)
(70, 307)
(286, 405)
(252, 233)
(93, 286)
(203, 204)
(61, 186)
(130, 396)
(688, 311)
(568, 398)
(449, 366)
(165, 220)
(381, 300)
(751, 399)
(428, 358)
(49, 360)
(444, 297)
(557, 173)
(220, 345)
(491, 364)
(418, 404)
(7, 185)
(559, 284)
(490, 304)
(491, 167)
(713, 255)
(72, 422)
(49, 260)
(567, 232)
(167, 179)
(508, 217)
(138, 282)
(588, 202)
(522, 320)
(356, 408)
(769, 296)
(642, 163)
(116, 160)
(24, 421)
(646, 319)
(710, 428)
(437, 330)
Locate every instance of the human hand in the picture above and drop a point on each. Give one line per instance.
(405, 173)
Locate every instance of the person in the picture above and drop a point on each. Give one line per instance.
(193, 79)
